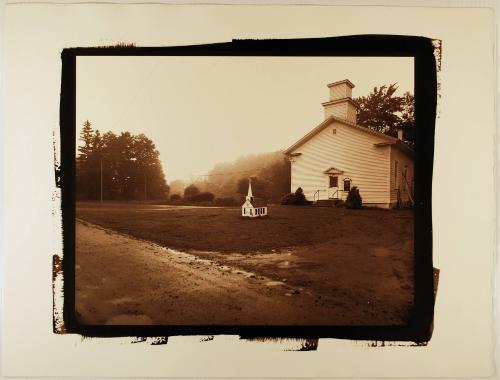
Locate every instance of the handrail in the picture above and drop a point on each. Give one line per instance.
(316, 192)
(314, 196)
(333, 195)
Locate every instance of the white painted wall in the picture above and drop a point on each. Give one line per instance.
(350, 150)
(336, 110)
(352, 113)
(340, 91)
(397, 182)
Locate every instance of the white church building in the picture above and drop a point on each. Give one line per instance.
(252, 208)
(338, 154)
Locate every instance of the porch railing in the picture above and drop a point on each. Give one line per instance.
(335, 195)
(316, 195)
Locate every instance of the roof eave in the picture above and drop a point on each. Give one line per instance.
(348, 99)
(398, 144)
(309, 135)
(340, 82)
(326, 122)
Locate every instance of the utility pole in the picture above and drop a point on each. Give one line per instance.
(145, 187)
(101, 179)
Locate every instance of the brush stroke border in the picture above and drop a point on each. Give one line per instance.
(419, 328)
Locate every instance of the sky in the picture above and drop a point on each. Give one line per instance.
(200, 111)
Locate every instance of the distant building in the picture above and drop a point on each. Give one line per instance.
(338, 154)
(251, 207)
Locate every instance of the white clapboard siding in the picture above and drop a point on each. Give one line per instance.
(337, 110)
(402, 159)
(349, 150)
(352, 113)
(340, 91)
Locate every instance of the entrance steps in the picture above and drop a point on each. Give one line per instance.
(326, 202)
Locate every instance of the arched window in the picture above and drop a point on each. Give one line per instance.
(347, 184)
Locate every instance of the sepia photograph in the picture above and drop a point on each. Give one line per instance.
(244, 190)
(191, 193)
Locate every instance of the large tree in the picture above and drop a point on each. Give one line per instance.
(384, 112)
(408, 117)
(126, 166)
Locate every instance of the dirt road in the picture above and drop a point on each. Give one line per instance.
(123, 280)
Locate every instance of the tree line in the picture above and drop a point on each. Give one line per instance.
(381, 111)
(127, 167)
(118, 167)
(228, 181)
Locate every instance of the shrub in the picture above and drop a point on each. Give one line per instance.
(226, 201)
(175, 197)
(300, 198)
(297, 198)
(191, 191)
(202, 197)
(340, 203)
(353, 198)
(288, 199)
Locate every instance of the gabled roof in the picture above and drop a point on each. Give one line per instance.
(333, 170)
(388, 140)
(254, 203)
(325, 123)
(398, 144)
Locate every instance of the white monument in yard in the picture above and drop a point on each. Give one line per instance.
(250, 208)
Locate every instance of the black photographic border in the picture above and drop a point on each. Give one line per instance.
(419, 328)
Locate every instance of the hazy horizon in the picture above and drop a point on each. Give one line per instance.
(200, 111)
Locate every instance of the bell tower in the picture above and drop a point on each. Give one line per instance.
(341, 104)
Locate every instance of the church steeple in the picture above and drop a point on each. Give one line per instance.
(341, 104)
(249, 208)
(249, 194)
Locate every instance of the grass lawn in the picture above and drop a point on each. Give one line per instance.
(356, 264)
(224, 230)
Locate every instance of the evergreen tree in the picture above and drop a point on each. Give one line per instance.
(300, 198)
(354, 199)
(84, 180)
(86, 136)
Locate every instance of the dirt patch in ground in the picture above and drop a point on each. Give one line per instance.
(358, 270)
(125, 281)
(378, 281)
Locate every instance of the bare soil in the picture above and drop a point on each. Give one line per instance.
(306, 266)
